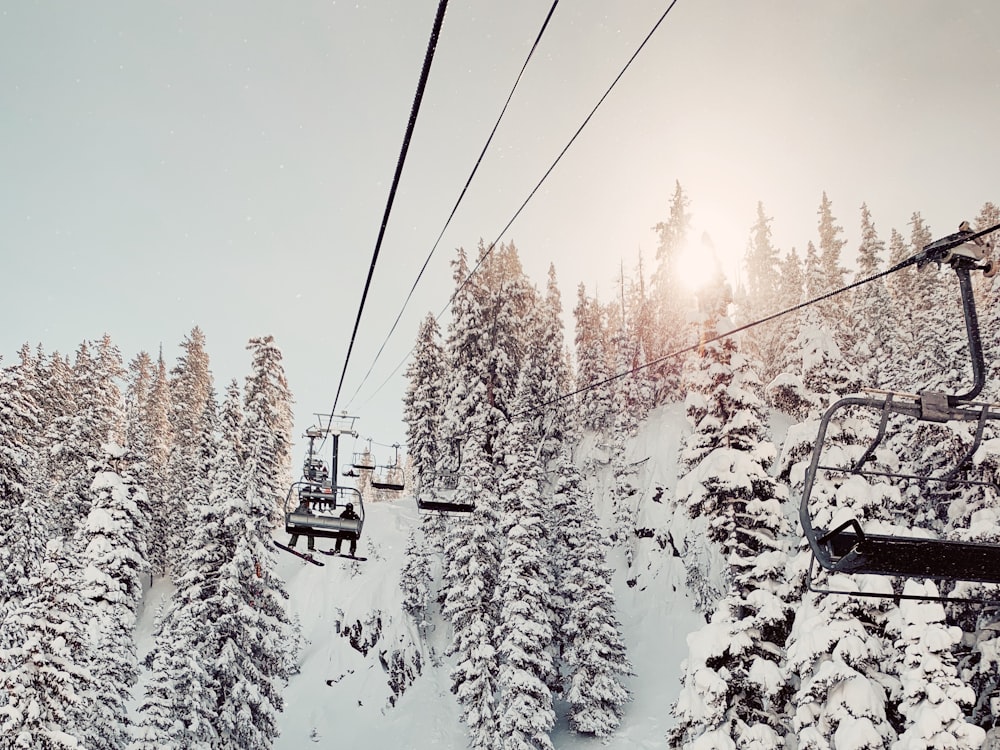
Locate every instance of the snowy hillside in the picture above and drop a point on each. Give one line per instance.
(342, 697)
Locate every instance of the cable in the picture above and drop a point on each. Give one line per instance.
(414, 110)
(472, 174)
(739, 329)
(535, 189)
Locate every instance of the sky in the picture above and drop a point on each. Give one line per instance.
(227, 164)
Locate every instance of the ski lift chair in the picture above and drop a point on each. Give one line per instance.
(440, 496)
(391, 475)
(848, 548)
(303, 517)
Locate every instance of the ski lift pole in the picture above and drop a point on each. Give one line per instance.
(975, 341)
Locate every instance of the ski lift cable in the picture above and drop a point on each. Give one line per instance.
(414, 110)
(545, 176)
(458, 202)
(916, 258)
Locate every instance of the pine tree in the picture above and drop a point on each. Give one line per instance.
(671, 298)
(873, 335)
(934, 699)
(114, 555)
(424, 402)
(252, 630)
(730, 487)
(152, 429)
(830, 246)
(589, 631)
(523, 633)
(268, 408)
(764, 344)
(593, 369)
(190, 389)
(20, 540)
(472, 560)
(44, 675)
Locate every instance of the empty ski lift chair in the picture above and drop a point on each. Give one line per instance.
(391, 475)
(848, 548)
(438, 496)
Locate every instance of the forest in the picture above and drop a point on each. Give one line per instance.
(113, 474)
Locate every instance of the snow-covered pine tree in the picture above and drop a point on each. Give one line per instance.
(268, 408)
(114, 558)
(180, 705)
(873, 335)
(588, 633)
(671, 299)
(153, 416)
(934, 698)
(937, 316)
(424, 402)
(20, 537)
(525, 715)
(546, 367)
(76, 437)
(592, 364)
(707, 377)
(190, 389)
(44, 674)
(902, 313)
(472, 561)
(253, 634)
(628, 408)
(838, 654)
(735, 659)
(764, 344)
(831, 266)
(415, 577)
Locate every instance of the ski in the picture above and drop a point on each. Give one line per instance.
(304, 555)
(331, 553)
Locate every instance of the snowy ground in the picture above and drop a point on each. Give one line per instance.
(342, 698)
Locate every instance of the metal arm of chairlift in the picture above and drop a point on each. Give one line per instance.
(847, 548)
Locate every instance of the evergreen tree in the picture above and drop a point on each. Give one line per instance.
(592, 365)
(44, 675)
(472, 559)
(114, 555)
(152, 406)
(424, 402)
(523, 632)
(873, 335)
(737, 667)
(268, 409)
(190, 390)
(20, 537)
(589, 631)
(830, 246)
(765, 343)
(671, 297)
(933, 697)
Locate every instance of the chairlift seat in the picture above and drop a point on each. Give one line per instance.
(317, 524)
(847, 549)
(380, 484)
(443, 506)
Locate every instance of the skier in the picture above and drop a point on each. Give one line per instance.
(350, 515)
(311, 543)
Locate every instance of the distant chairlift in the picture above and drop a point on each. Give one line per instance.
(391, 475)
(313, 505)
(849, 548)
(438, 495)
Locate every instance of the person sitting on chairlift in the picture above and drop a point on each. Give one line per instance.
(350, 515)
(311, 544)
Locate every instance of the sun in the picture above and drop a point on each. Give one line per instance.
(697, 264)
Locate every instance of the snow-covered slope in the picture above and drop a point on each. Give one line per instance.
(357, 639)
